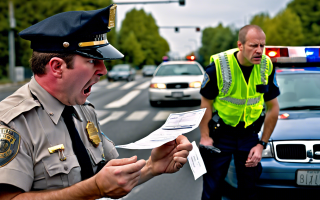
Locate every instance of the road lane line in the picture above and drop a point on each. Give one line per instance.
(124, 100)
(113, 85)
(101, 113)
(137, 115)
(143, 85)
(162, 115)
(113, 117)
(128, 85)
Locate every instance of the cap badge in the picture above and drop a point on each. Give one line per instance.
(66, 44)
(112, 16)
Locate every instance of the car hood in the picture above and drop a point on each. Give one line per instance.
(300, 125)
(176, 79)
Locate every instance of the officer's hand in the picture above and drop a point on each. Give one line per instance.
(117, 178)
(254, 156)
(170, 157)
(206, 141)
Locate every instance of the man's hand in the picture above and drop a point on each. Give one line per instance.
(206, 141)
(170, 157)
(119, 176)
(254, 156)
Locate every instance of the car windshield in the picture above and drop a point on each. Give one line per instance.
(149, 68)
(178, 70)
(299, 91)
(121, 68)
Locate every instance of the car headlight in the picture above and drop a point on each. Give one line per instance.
(158, 85)
(195, 84)
(268, 152)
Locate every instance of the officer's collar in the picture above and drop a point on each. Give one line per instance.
(50, 104)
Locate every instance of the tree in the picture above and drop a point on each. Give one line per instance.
(132, 47)
(309, 14)
(285, 29)
(147, 35)
(215, 40)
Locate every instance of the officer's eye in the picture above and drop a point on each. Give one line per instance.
(92, 61)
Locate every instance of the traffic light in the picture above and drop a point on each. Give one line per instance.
(182, 2)
(176, 29)
(197, 29)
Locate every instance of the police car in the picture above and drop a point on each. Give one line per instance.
(292, 157)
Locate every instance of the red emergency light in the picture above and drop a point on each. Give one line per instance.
(192, 58)
(277, 52)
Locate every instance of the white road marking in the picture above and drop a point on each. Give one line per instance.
(143, 85)
(113, 85)
(113, 117)
(128, 85)
(124, 100)
(162, 115)
(101, 113)
(137, 115)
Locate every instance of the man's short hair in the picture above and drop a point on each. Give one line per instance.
(39, 61)
(244, 30)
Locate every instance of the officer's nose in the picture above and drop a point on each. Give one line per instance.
(102, 70)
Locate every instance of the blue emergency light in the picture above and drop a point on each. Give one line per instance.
(312, 54)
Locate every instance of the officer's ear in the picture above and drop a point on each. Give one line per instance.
(240, 45)
(56, 66)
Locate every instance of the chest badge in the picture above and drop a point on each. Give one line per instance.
(92, 133)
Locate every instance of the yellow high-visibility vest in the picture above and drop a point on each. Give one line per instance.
(238, 100)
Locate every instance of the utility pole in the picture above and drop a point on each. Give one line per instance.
(12, 57)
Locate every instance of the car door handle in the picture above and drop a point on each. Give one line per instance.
(317, 153)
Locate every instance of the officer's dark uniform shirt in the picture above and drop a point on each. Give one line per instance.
(210, 89)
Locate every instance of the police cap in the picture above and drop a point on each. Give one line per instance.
(80, 32)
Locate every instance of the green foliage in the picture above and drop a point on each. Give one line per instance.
(285, 29)
(30, 12)
(309, 14)
(215, 40)
(148, 43)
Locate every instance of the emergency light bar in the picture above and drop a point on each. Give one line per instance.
(282, 54)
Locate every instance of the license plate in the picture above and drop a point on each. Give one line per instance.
(308, 177)
(177, 94)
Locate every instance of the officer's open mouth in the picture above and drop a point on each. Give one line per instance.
(87, 90)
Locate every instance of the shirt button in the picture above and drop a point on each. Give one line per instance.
(66, 168)
(51, 114)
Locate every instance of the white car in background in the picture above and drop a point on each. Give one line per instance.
(176, 81)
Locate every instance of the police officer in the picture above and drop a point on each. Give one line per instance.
(237, 84)
(50, 139)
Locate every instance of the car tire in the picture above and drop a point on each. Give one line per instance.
(154, 103)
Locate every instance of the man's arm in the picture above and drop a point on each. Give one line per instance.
(204, 129)
(270, 122)
(115, 180)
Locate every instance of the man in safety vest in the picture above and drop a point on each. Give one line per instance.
(237, 84)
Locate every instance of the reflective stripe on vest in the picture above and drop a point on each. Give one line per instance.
(263, 69)
(226, 72)
(251, 101)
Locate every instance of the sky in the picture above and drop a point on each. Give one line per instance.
(199, 13)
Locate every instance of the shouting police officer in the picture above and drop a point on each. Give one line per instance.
(237, 84)
(51, 144)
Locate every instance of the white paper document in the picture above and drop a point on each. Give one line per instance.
(196, 162)
(175, 125)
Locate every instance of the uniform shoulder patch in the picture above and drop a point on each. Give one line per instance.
(206, 79)
(9, 145)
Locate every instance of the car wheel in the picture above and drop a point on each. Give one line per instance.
(154, 103)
